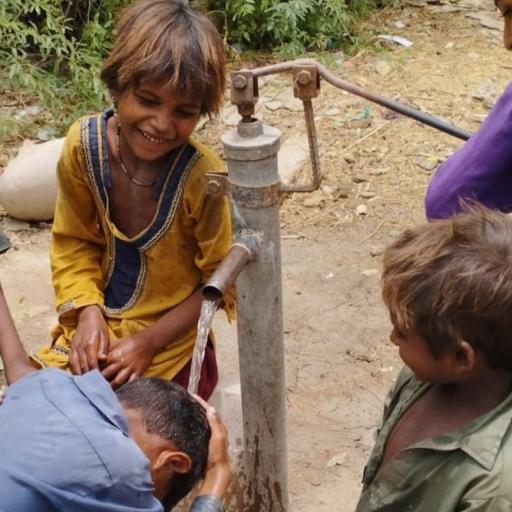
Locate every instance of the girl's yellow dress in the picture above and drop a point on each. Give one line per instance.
(135, 280)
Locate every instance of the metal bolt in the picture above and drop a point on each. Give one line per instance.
(239, 82)
(303, 77)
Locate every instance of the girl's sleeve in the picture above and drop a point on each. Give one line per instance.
(480, 171)
(77, 239)
(212, 226)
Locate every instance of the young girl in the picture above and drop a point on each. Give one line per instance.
(135, 235)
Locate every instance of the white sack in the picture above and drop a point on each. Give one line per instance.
(28, 185)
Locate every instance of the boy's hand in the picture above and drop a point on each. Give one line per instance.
(128, 360)
(90, 343)
(218, 469)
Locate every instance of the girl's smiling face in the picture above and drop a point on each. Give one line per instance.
(155, 120)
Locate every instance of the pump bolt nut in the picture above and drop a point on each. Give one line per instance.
(303, 77)
(239, 82)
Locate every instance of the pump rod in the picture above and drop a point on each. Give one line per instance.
(338, 82)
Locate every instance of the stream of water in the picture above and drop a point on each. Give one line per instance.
(208, 309)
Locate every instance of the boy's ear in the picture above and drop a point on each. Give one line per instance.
(172, 461)
(465, 356)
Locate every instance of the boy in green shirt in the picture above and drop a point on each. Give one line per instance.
(445, 441)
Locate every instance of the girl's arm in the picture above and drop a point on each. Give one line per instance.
(16, 361)
(130, 358)
(77, 240)
(76, 250)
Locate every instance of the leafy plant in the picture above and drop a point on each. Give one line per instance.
(290, 27)
(53, 49)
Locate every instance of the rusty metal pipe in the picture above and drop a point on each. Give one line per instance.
(334, 80)
(313, 152)
(240, 253)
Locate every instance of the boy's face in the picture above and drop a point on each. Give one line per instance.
(505, 6)
(155, 120)
(416, 354)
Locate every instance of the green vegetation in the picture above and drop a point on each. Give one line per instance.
(51, 50)
(290, 27)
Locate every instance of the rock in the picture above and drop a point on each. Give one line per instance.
(379, 171)
(399, 24)
(315, 200)
(383, 67)
(427, 163)
(361, 210)
(402, 41)
(294, 153)
(370, 272)
(230, 116)
(289, 101)
(359, 178)
(487, 20)
(340, 459)
(28, 185)
(367, 194)
(15, 225)
(273, 105)
(34, 110)
(376, 250)
(360, 123)
(486, 93)
(46, 134)
(333, 111)
(328, 190)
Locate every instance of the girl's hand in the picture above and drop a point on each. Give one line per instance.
(90, 343)
(218, 469)
(128, 360)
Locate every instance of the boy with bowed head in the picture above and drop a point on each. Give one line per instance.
(71, 443)
(135, 235)
(445, 443)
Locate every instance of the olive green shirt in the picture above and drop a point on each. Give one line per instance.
(466, 470)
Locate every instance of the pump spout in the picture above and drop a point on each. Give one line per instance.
(242, 252)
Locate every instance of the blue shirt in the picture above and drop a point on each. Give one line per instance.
(64, 446)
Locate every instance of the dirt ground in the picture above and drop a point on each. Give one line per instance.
(339, 362)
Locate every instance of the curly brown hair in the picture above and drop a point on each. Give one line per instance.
(451, 280)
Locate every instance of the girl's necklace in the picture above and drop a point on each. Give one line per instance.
(135, 181)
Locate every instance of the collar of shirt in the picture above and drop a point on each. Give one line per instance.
(94, 386)
(481, 439)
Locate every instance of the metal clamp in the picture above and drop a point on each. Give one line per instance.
(249, 197)
(244, 93)
(306, 86)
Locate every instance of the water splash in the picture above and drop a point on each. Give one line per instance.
(208, 309)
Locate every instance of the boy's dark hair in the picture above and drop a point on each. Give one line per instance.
(164, 40)
(170, 412)
(451, 280)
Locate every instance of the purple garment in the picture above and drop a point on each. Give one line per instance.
(480, 170)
